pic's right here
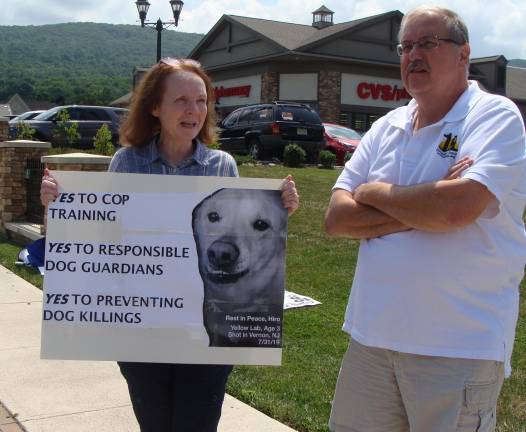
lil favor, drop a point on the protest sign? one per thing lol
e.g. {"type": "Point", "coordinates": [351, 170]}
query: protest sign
{"type": "Point", "coordinates": [172, 269]}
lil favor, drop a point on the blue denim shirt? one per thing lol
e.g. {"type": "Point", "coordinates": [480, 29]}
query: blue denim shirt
{"type": "Point", "coordinates": [147, 160]}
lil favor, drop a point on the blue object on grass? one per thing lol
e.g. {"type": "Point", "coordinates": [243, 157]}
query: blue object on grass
{"type": "Point", "coordinates": [34, 253]}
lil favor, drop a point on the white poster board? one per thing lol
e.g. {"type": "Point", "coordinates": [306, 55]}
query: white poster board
{"type": "Point", "coordinates": [172, 269]}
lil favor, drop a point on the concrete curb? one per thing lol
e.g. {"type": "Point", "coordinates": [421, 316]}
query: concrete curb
{"type": "Point", "coordinates": [8, 421]}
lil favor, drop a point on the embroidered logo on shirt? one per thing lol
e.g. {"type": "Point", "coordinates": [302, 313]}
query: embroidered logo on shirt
{"type": "Point", "coordinates": [448, 147]}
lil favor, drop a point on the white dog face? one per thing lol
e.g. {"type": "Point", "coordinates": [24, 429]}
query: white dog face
{"type": "Point", "coordinates": [240, 237]}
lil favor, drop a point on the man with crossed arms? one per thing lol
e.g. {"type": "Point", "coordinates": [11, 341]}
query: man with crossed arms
{"type": "Point", "coordinates": [436, 191]}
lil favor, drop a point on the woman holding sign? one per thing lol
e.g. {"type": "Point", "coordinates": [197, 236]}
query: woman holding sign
{"type": "Point", "coordinates": [171, 120]}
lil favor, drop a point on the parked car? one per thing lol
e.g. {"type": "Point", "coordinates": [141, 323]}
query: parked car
{"type": "Point", "coordinates": [340, 140]}
{"type": "Point", "coordinates": [89, 119]}
{"type": "Point", "coordinates": [28, 115]}
{"type": "Point", "coordinates": [263, 130]}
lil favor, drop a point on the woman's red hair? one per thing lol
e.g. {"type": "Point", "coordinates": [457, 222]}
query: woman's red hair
{"type": "Point", "coordinates": [139, 126]}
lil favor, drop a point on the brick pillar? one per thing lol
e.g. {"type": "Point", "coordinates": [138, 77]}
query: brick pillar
{"type": "Point", "coordinates": [269, 87]}
{"type": "Point", "coordinates": [13, 188]}
{"type": "Point", "coordinates": [4, 129]}
{"type": "Point", "coordinates": [76, 162]}
{"type": "Point", "coordinates": [329, 95]}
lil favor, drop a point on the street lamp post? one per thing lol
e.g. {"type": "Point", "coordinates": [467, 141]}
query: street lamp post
{"type": "Point", "coordinates": [142, 8]}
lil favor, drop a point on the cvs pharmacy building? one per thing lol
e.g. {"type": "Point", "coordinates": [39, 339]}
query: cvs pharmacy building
{"type": "Point", "coordinates": [349, 72]}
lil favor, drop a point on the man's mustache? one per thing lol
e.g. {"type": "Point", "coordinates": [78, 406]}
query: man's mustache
{"type": "Point", "coordinates": [417, 64]}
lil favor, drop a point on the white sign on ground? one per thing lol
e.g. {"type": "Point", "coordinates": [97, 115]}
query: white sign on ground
{"type": "Point", "coordinates": [293, 300]}
{"type": "Point", "coordinates": [156, 268]}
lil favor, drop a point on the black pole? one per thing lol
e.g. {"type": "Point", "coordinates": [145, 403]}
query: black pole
{"type": "Point", "coordinates": [159, 28]}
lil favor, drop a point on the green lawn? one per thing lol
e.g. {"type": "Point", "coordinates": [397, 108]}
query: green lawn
{"type": "Point", "coordinates": [299, 392]}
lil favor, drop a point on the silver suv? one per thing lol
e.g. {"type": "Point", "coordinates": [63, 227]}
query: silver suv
{"type": "Point", "coordinates": [89, 119]}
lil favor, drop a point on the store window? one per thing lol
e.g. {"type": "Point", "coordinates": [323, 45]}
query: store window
{"type": "Point", "coordinates": [359, 121]}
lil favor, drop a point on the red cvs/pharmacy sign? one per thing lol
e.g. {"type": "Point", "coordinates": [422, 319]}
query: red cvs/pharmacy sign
{"type": "Point", "coordinates": [240, 91]}
{"type": "Point", "coordinates": [386, 92]}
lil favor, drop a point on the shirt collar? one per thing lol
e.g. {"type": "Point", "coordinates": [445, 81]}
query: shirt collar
{"type": "Point", "coordinates": [151, 153]}
{"type": "Point", "coordinates": [403, 119]}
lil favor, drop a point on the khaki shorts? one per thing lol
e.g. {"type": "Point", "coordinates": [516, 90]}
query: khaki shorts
{"type": "Point", "coordinates": [379, 390]}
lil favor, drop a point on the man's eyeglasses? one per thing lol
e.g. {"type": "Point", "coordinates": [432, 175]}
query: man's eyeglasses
{"type": "Point", "coordinates": [426, 43]}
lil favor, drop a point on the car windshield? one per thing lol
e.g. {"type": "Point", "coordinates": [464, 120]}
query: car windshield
{"type": "Point", "coordinates": [297, 114]}
{"type": "Point", "coordinates": [341, 131]}
{"type": "Point", "coordinates": [26, 116]}
{"type": "Point", "coordinates": [46, 114]}
{"type": "Point", "coordinates": [120, 112]}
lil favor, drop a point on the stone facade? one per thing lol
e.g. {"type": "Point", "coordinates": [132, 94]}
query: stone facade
{"type": "Point", "coordinates": [21, 173]}
{"type": "Point", "coordinates": [329, 90]}
{"type": "Point", "coordinates": [14, 175]}
{"type": "Point", "coordinates": [269, 87]}
{"type": "Point", "coordinates": [4, 129]}
{"type": "Point", "coordinates": [77, 162]}
{"type": "Point", "coordinates": [64, 166]}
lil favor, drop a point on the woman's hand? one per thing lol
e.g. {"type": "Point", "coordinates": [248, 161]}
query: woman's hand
{"type": "Point", "coordinates": [48, 189]}
{"type": "Point", "coordinates": [289, 195]}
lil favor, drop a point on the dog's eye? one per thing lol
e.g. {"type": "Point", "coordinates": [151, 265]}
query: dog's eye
{"type": "Point", "coordinates": [260, 225]}
{"type": "Point", "coordinates": [213, 217]}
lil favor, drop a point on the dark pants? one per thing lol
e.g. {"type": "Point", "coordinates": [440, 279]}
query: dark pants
{"type": "Point", "coordinates": [176, 397]}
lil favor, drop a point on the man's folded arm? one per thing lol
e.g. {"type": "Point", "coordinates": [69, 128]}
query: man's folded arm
{"type": "Point", "coordinates": [346, 217]}
{"type": "Point", "coordinates": [440, 206]}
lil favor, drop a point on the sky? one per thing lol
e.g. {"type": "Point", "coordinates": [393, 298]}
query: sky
{"type": "Point", "coordinates": [496, 27]}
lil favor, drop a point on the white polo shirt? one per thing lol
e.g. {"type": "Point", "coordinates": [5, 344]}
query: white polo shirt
{"type": "Point", "coordinates": [444, 294]}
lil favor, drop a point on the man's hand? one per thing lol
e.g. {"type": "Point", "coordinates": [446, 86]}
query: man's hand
{"type": "Point", "coordinates": [370, 193]}
{"type": "Point", "coordinates": [456, 169]}
{"type": "Point", "coordinates": [442, 206]}
{"type": "Point", "coordinates": [346, 217]}
{"type": "Point", "coordinates": [378, 208]}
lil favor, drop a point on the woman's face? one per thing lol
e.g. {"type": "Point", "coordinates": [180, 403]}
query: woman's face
{"type": "Point", "coordinates": [183, 107]}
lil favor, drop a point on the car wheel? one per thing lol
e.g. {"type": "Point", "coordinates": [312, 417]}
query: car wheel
{"type": "Point", "coordinates": [254, 149]}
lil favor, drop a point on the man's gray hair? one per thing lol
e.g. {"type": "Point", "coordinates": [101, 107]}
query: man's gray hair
{"type": "Point", "coordinates": [457, 29]}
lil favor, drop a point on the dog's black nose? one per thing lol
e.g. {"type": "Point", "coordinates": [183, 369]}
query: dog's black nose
{"type": "Point", "coordinates": [223, 255]}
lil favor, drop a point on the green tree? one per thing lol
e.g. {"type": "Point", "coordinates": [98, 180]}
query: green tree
{"type": "Point", "coordinates": [64, 132]}
{"type": "Point", "coordinates": [24, 131]}
{"type": "Point", "coordinates": [102, 141]}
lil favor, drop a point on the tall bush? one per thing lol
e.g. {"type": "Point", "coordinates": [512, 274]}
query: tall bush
{"type": "Point", "coordinates": [294, 156]}
{"type": "Point", "coordinates": [102, 141]}
{"type": "Point", "coordinates": [24, 131]}
{"type": "Point", "coordinates": [64, 131]}
{"type": "Point", "coordinates": [327, 159]}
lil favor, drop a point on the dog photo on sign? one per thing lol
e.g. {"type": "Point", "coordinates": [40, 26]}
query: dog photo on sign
{"type": "Point", "coordinates": [240, 236]}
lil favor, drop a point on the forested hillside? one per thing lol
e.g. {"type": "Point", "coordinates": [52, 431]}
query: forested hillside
{"type": "Point", "coordinates": [84, 63]}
